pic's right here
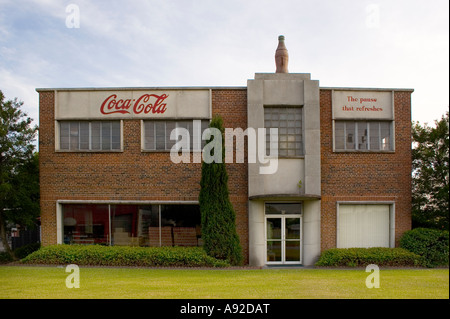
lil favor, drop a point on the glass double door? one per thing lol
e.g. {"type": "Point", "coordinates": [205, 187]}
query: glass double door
{"type": "Point", "coordinates": [283, 239]}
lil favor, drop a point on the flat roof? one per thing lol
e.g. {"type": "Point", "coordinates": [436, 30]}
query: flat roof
{"type": "Point", "coordinates": [141, 88]}
{"type": "Point", "coordinates": [208, 88]}
{"type": "Point", "coordinates": [363, 89]}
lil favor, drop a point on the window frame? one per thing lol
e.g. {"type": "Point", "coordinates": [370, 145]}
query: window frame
{"type": "Point", "coordinates": [368, 140]}
{"type": "Point", "coordinates": [177, 122]}
{"type": "Point", "coordinates": [89, 149]}
{"type": "Point", "coordinates": [392, 213]}
{"type": "Point", "coordinates": [299, 152]}
{"type": "Point", "coordinates": [112, 205]}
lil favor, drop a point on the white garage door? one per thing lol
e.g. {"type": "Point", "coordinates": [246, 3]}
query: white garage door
{"type": "Point", "coordinates": [363, 226]}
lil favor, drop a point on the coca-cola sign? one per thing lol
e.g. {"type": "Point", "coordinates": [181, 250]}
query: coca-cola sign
{"type": "Point", "coordinates": [103, 104]}
{"type": "Point", "coordinates": [145, 104]}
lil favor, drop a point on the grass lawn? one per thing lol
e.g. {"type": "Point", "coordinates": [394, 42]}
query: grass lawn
{"type": "Point", "coordinates": [19, 282]}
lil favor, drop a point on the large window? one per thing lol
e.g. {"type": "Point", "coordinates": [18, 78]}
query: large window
{"type": "Point", "coordinates": [157, 134]}
{"type": "Point", "coordinates": [89, 136]}
{"type": "Point", "coordinates": [132, 225]}
{"type": "Point", "coordinates": [364, 225]}
{"type": "Point", "coordinates": [288, 121]}
{"type": "Point", "coordinates": [362, 136]}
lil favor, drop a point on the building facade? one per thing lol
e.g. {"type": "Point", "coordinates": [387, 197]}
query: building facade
{"type": "Point", "coordinates": [340, 176]}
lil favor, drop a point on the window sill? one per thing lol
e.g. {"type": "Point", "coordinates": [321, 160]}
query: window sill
{"type": "Point", "coordinates": [89, 151]}
{"type": "Point", "coordinates": [365, 151]}
{"type": "Point", "coordinates": [285, 157]}
{"type": "Point", "coordinates": [165, 151]}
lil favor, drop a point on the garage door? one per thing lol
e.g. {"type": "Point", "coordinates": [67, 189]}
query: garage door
{"type": "Point", "coordinates": [363, 226]}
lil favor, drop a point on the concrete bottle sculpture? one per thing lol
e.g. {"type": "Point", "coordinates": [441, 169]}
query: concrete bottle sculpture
{"type": "Point", "coordinates": [281, 56]}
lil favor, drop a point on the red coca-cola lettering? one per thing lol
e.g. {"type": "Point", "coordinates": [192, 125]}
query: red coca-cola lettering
{"type": "Point", "coordinates": [157, 107]}
{"type": "Point", "coordinates": [144, 104]}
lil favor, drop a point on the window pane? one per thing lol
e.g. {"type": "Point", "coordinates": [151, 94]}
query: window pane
{"type": "Point", "coordinates": [292, 250]}
{"type": "Point", "coordinates": [292, 228]}
{"type": "Point", "coordinates": [289, 124]}
{"type": "Point", "coordinates": [273, 228]}
{"type": "Point", "coordinates": [362, 135]}
{"type": "Point", "coordinates": [205, 125]}
{"type": "Point", "coordinates": [170, 125]}
{"type": "Point", "coordinates": [374, 135]}
{"type": "Point", "coordinates": [84, 135]}
{"type": "Point", "coordinates": [74, 136]}
{"type": "Point", "coordinates": [115, 137]}
{"type": "Point", "coordinates": [160, 129]}
{"type": "Point", "coordinates": [95, 135]}
{"type": "Point", "coordinates": [350, 135]}
{"type": "Point", "coordinates": [149, 135]}
{"type": "Point", "coordinates": [124, 225]}
{"type": "Point", "coordinates": [274, 250]}
{"type": "Point", "coordinates": [106, 135]}
{"type": "Point", "coordinates": [188, 126]}
{"type": "Point", "coordinates": [64, 135]}
{"type": "Point", "coordinates": [291, 152]}
{"type": "Point", "coordinates": [85, 224]}
{"type": "Point", "coordinates": [182, 223]}
{"type": "Point", "coordinates": [283, 208]}
{"type": "Point", "coordinates": [339, 135]}
{"type": "Point", "coordinates": [385, 135]}
{"type": "Point", "coordinates": [148, 226]}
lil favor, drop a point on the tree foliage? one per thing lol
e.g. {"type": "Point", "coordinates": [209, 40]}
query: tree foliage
{"type": "Point", "coordinates": [430, 162]}
{"type": "Point", "coordinates": [18, 167]}
{"type": "Point", "coordinates": [23, 202]}
{"type": "Point", "coordinates": [220, 239]}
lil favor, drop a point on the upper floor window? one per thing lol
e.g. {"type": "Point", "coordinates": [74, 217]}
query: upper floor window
{"type": "Point", "coordinates": [288, 120]}
{"type": "Point", "coordinates": [363, 136]}
{"type": "Point", "coordinates": [89, 135]}
{"type": "Point", "coordinates": [157, 134]}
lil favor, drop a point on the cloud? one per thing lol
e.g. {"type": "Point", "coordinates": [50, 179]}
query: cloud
{"type": "Point", "coordinates": [14, 86]}
{"type": "Point", "coordinates": [212, 43]}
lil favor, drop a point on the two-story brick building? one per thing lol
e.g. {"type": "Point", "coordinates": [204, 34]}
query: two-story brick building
{"type": "Point", "coordinates": [342, 176]}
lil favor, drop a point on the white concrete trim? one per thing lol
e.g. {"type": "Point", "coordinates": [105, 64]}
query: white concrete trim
{"type": "Point", "coordinates": [59, 224]}
{"type": "Point", "coordinates": [124, 202]}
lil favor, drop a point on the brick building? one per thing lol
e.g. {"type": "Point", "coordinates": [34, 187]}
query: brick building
{"type": "Point", "coordinates": [340, 177]}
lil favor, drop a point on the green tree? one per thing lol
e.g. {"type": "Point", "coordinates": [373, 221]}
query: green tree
{"type": "Point", "coordinates": [24, 206]}
{"type": "Point", "coordinates": [430, 163]}
{"type": "Point", "coordinates": [220, 239]}
{"type": "Point", "coordinates": [17, 167]}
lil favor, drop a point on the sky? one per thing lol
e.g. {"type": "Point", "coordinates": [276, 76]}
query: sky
{"type": "Point", "coordinates": [172, 43]}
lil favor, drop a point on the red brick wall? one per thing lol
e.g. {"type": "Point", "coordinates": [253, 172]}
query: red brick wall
{"type": "Point", "coordinates": [366, 176]}
{"type": "Point", "coordinates": [132, 174]}
{"type": "Point", "coordinates": [232, 105]}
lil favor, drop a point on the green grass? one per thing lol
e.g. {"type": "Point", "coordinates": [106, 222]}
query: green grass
{"type": "Point", "coordinates": [20, 282]}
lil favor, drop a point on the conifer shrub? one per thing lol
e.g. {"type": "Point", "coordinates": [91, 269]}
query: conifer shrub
{"type": "Point", "coordinates": [218, 218]}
